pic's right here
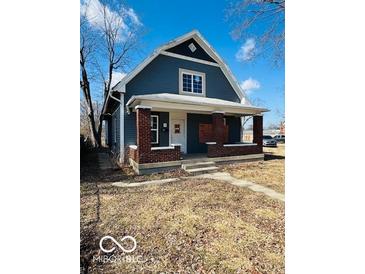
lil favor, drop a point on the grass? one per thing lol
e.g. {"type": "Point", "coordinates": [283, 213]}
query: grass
{"type": "Point", "coordinates": [190, 226]}
{"type": "Point", "coordinates": [270, 173]}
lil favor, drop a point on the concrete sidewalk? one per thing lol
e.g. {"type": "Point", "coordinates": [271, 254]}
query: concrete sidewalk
{"type": "Point", "coordinates": [220, 176]}
{"type": "Point", "coordinates": [224, 176]}
{"type": "Point", "coordinates": [152, 182]}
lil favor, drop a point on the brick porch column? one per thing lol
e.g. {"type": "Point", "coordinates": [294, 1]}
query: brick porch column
{"type": "Point", "coordinates": [257, 130]}
{"type": "Point", "coordinates": [218, 128]}
{"type": "Point", "coordinates": [143, 126]}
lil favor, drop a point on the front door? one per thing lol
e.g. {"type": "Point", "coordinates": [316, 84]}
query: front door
{"type": "Point", "coordinates": [178, 135]}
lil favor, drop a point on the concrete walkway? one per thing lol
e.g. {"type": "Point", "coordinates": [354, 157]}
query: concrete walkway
{"type": "Point", "coordinates": [221, 176]}
{"type": "Point", "coordinates": [224, 176]}
{"type": "Point", "coordinates": [104, 161]}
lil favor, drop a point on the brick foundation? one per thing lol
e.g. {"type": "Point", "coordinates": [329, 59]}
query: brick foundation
{"type": "Point", "coordinates": [164, 155]}
{"type": "Point", "coordinates": [222, 151]}
{"type": "Point", "coordinates": [155, 156]}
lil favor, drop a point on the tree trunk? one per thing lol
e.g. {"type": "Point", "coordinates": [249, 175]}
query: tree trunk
{"type": "Point", "coordinates": [85, 86]}
{"type": "Point", "coordinates": [100, 128]}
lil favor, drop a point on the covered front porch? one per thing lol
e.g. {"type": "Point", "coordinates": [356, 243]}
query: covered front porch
{"type": "Point", "coordinates": [172, 129]}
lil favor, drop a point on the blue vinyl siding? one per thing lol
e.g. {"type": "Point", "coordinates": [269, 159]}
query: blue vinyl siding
{"type": "Point", "coordinates": [130, 134]}
{"type": "Point", "coordinates": [162, 76]}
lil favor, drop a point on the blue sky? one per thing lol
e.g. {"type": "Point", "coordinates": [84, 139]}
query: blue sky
{"type": "Point", "coordinates": [165, 20]}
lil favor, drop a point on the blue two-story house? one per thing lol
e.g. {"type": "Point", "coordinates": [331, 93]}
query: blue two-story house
{"type": "Point", "coordinates": [180, 103]}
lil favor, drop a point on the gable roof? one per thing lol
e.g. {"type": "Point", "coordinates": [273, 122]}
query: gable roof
{"type": "Point", "coordinates": [120, 87]}
{"type": "Point", "coordinates": [185, 50]}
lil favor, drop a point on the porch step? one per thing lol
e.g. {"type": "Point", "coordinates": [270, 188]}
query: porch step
{"type": "Point", "coordinates": [197, 171]}
{"type": "Point", "coordinates": [195, 165]}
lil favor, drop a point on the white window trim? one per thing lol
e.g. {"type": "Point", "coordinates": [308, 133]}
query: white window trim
{"type": "Point", "coordinates": [191, 72]}
{"type": "Point", "coordinates": [155, 129]}
{"type": "Point", "coordinates": [183, 57]}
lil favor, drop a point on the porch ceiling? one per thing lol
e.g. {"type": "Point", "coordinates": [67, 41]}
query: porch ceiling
{"type": "Point", "coordinates": [168, 101]}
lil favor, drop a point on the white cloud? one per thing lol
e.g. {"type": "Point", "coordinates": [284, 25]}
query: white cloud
{"type": "Point", "coordinates": [132, 15]}
{"type": "Point", "coordinates": [116, 77]}
{"type": "Point", "coordinates": [93, 10]}
{"type": "Point", "coordinates": [249, 85]}
{"type": "Point", "coordinates": [247, 50]}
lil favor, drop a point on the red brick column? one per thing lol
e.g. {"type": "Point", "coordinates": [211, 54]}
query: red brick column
{"type": "Point", "coordinates": [257, 130]}
{"type": "Point", "coordinates": [143, 133]}
{"type": "Point", "coordinates": [218, 128]}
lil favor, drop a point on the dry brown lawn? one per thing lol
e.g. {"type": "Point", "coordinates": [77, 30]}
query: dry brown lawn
{"type": "Point", "coordinates": [279, 151]}
{"type": "Point", "coordinates": [190, 226]}
{"type": "Point", "coordinates": [270, 173]}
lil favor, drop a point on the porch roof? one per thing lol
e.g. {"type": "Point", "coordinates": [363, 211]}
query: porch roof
{"type": "Point", "coordinates": [169, 101]}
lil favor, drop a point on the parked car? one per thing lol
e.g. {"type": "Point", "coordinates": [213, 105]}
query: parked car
{"type": "Point", "coordinates": [280, 138]}
{"type": "Point", "coordinates": [268, 141]}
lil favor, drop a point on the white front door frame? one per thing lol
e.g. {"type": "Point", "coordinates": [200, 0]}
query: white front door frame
{"type": "Point", "coordinates": [178, 115]}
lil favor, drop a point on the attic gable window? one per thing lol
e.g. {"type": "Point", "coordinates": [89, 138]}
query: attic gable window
{"type": "Point", "coordinates": [192, 47]}
{"type": "Point", "coordinates": [192, 82]}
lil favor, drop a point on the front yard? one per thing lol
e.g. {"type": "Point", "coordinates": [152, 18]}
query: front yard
{"type": "Point", "coordinates": [270, 173]}
{"type": "Point", "coordinates": [190, 226]}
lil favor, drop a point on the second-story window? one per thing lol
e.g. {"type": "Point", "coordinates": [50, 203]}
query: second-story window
{"type": "Point", "coordinates": [187, 87]}
{"type": "Point", "coordinates": [192, 82]}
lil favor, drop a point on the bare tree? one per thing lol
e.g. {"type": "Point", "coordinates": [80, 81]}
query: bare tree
{"type": "Point", "coordinates": [262, 19]}
{"type": "Point", "coordinates": [84, 117]}
{"type": "Point", "coordinates": [86, 49]}
{"type": "Point", "coordinates": [280, 114]}
{"type": "Point", "coordinates": [107, 37]}
{"type": "Point", "coordinates": [244, 119]}
{"type": "Point", "coordinates": [273, 126]}
{"type": "Point", "coordinates": [117, 44]}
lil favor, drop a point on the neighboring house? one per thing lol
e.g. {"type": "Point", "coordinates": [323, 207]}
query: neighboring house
{"type": "Point", "coordinates": [181, 100]}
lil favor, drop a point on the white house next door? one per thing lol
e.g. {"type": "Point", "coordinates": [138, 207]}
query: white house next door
{"type": "Point", "coordinates": [178, 135]}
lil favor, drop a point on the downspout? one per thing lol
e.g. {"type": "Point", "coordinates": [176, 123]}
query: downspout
{"type": "Point", "coordinates": [121, 125]}
{"type": "Point", "coordinates": [115, 98]}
